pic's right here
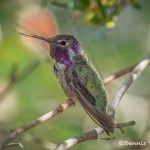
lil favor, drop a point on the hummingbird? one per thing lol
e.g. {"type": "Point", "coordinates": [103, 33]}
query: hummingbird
{"type": "Point", "coordinates": [78, 78]}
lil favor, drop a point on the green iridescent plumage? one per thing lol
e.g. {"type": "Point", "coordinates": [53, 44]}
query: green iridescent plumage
{"type": "Point", "coordinates": [86, 86]}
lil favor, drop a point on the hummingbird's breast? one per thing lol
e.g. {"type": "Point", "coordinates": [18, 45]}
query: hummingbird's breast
{"type": "Point", "coordinates": [60, 71]}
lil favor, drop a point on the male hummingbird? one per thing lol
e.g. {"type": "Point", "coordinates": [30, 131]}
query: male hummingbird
{"type": "Point", "coordinates": [78, 78]}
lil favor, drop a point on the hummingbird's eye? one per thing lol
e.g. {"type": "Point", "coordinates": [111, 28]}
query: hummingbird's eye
{"type": "Point", "coordinates": [63, 42]}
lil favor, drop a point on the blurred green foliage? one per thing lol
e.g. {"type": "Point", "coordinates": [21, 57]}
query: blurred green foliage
{"type": "Point", "coordinates": [108, 49]}
{"type": "Point", "coordinates": [96, 13]}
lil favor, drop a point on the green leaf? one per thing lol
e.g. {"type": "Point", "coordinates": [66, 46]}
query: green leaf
{"type": "Point", "coordinates": [135, 4]}
{"type": "Point", "coordinates": [92, 19]}
{"type": "Point", "coordinates": [81, 5]}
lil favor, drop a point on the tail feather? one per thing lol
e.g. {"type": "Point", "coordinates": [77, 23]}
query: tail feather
{"type": "Point", "coordinates": [100, 118]}
{"type": "Point", "coordinates": [88, 102]}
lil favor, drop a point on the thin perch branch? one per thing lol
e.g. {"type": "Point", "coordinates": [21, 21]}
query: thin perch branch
{"type": "Point", "coordinates": [118, 74]}
{"type": "Point", "coordinates": [91, 135]}
{"type": "Point", "coordinates": [36, 122]}
{"type": "Point", "coordinates": [136, 72]}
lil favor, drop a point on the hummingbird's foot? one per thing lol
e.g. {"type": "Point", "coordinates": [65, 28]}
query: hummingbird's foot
{"type": "Point", "coordinates": [121, 130]}
{"type": "Point", "coordinates": [60, 108]}
{"type": "Point", "coordinates": [107, 138]}
{"type": "Point", "coordinates": [71, 102]}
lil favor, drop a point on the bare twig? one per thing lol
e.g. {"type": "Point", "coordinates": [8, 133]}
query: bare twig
{"type": "Point", "coordinates": [132, 77]}
{"type": "Point", "coordinates": [15, 78]}
{"type": "Point", "coordinates": [118, 74]}
{"type": "Point", "coordinates": [36, 122]}
{"type": "Point", "coordinates": [91, 135]}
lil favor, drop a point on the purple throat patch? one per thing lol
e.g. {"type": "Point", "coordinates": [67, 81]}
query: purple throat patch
{"type": "Point", "coordinates": [65, 60]}
{"type": "Point", "coordinates": [75, 46]}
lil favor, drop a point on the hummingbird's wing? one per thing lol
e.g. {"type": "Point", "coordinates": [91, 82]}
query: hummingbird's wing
{"type": "Point", "coordinates": [90, 92]}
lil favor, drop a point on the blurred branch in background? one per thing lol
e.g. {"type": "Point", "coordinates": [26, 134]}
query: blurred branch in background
{"type": "Point", "coordinates": [93, 134]}
{"type": "Point", "coordinates": [15, 145]}
{"type": "Point", "coordinates": [16, 77]}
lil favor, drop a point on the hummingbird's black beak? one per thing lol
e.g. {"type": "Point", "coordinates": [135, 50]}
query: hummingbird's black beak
{"type": "Point", "coordinates": [37, 36]}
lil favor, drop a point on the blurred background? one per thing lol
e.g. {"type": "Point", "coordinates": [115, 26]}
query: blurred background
{"type": "Point", "coordinates": [115, 34]}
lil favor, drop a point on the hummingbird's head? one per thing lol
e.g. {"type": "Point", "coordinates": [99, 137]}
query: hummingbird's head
{"type": "Point", "coordinates": [63, 47]}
